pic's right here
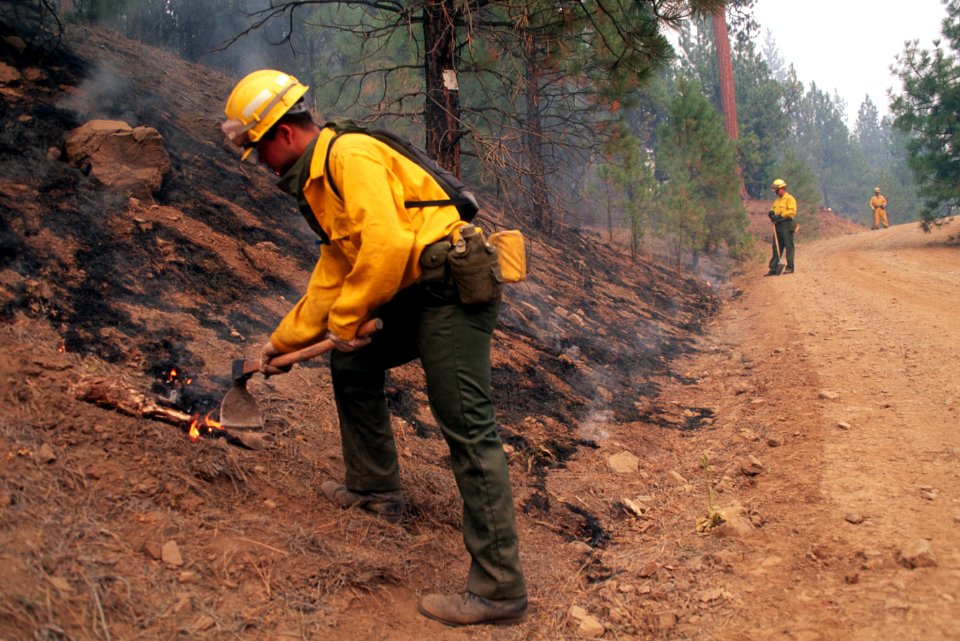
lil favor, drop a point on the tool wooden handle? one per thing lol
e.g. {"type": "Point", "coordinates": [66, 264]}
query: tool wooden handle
{"type": "Point", "coordinates": [322, 347]}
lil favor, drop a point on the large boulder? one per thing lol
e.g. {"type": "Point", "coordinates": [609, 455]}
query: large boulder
{"type": "Point", "coordinates": [128, 159]}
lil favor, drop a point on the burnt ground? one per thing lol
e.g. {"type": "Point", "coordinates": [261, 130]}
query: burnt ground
{"type": "Point", "coordinates": [119, 527]}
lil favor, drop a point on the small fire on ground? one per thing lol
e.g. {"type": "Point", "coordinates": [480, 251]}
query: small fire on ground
{"type": "Point", "coordinates": [174, 378]}
{"type": "Point", "coordinates": [200, 426]}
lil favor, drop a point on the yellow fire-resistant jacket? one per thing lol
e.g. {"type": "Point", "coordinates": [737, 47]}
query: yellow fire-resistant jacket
{"type": "Point", "coordinates": [375, 242]}
{"type": "Point", "coordinates": [785, 205]}
{"type": "Point", "coordinates": [877, 202]}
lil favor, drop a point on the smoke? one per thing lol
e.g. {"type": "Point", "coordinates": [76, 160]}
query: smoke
{"type": "Point", "coordinates": [593, 427]}
{"type": "Point", "coordinates": [199, 32]}
{"type": "Point", "coordinates": [104, 94]}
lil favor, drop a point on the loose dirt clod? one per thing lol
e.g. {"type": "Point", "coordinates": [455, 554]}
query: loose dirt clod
{"type": "Point", "coordinates": [917, 554]}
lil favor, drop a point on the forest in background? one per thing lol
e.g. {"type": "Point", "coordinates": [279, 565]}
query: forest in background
{"type": "Point", "coordinates": [583, 113]}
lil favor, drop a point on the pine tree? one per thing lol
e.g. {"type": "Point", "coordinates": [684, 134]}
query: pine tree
{"type": "Point", "coordinates": [823, 141]}
{"type": "Point", "coordinates": [701, 204]}
{"type": "Point", "coordinates": [927, 111]}
{"type": "Point", "coordinates": [628, 177]}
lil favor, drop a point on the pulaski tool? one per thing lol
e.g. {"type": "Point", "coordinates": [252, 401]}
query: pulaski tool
{"type": "Point", "coordinates": [776, 243]}
{"type": "Point", "coordinates": [239, 409]}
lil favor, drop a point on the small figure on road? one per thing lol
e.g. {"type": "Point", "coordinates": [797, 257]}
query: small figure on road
{"type": "Point", "coordinates": [878, 203]}
{"type": "Point", "coordinates": [783, 215]}
{"type": "Point", "coordinates": [372, 265]}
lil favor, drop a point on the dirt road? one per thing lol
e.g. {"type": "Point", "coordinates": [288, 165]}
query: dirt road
{"type": "Point", "coordinates": [847, 372]}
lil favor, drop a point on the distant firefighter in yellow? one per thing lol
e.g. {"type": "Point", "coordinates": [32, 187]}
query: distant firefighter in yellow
{"type": "Point", "coordinates": [783, 215]}
{"type": "Point", "coordinates": [879, 206]}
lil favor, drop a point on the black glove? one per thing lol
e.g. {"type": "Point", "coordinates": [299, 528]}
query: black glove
{"type": "Point", "coordinates": [771, 214]}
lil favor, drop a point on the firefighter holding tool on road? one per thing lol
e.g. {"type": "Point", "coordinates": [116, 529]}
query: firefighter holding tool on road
{"type": "Point", "coordinates": [783, 215]}
{"type": "Point", "coordinates": [878, 203]}
{"type": "Point", "coordinates": [379, 259]}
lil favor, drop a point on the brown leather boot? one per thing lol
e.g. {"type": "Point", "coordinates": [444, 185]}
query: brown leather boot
{"type": "Point", "coordinates": [467, 608]}
{"type": "Point", "coordinates": [389, 506]}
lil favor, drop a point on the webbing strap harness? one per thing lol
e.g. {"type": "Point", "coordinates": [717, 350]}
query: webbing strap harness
{"type": "Point", "coordinates": [459, 194]}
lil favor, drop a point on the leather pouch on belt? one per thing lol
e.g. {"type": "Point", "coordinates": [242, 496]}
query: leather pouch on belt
{"type": "Point", "coordinates": [512, 254]}
{"type": "Point", "coordinates": [433, 263]}
{"type": "Point", "coordinates": [475, 267]}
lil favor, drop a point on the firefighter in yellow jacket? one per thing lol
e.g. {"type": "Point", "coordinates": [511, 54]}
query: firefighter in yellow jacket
{"type": "Point", "coordinates": [878, 203]}
{"type": "Point", "coordinates": [370, 267]}
{"type": "Point", "coordinates": [783, 214]}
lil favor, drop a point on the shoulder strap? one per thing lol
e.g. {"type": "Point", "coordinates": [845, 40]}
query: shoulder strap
{"type": "Point", "coordinates": [326, 168]}
{"type": "Point", "coordinates": [460, 196]}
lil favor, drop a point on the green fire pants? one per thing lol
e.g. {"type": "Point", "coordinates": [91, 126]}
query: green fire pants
{"type": "Point", "coordinates": [452, 341]}
{"type": "Point", "coordinates": [784, 242]}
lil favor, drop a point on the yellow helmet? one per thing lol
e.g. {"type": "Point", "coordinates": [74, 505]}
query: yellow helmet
{"type": "Point", "coordinates": [257, 103]}
{"type": "Point", "coordinates": [778, 184]}
{"type": "Point", "coordinates": [876, 190]}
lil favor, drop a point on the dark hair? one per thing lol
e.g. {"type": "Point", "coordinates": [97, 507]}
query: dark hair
{"type": "Point", "coordinates": [300, 118]}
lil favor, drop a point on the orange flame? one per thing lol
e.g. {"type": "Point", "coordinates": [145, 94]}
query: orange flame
{"type": "Point", "coordinates": [62, 347]}
{"type": "Point", "coordinates": [173, 377]}
{"type": "Point", "coordinates": [198, 425]}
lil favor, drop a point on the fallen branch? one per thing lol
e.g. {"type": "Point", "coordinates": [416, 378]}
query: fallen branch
{"type": "Point", "coordinates": [110, 394]}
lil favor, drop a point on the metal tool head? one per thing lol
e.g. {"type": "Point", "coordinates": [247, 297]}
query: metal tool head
{"type": "Point", "coordinates": [239, 409]}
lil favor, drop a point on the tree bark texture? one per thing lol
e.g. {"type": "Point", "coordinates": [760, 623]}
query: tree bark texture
{"type": "Point", "coordinates": [728, 98]}
{"type": "Point", "coordinates": [442, 106]}
{"type": "Point", "coordinates": [543, 218]}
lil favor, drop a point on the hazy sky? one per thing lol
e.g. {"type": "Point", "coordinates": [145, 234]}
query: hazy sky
{"type": "Point", "coordinates": [848, 46]}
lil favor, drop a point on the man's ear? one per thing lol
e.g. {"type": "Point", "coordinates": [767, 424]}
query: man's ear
{"type": "Point", "coordinates": [285, 133]}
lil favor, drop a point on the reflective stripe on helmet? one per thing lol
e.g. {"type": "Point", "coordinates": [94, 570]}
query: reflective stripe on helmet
{"type": "Point", "coordinates": [250, 111]}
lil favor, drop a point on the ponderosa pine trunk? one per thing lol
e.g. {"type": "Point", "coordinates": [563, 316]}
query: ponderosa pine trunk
{"type": "Point", "coordinates": [728, 96]}
{"type": "Point", "coordinates": [543, 218]}
{"type": "Point", "coordinates": [442, 105]}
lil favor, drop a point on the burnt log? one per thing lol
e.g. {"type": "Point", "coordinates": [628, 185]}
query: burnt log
{"type": "Point", "coordinates": [111, 394]}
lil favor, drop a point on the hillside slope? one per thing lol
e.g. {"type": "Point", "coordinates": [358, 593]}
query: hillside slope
{"type": "Point", "coordinates": [117, 526]}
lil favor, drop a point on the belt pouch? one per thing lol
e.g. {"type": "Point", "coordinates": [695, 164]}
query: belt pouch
{"type": "Point", "coordinates": [433, 263]}
{"type": "Point", "coordinates": [475, 267]}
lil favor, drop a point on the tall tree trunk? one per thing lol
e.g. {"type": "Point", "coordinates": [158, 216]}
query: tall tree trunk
{"type": "Point", "coordinates": [609, 216]}
{"type": "Point", "coordinates": [543, 217]}
{"type": "Point", "coordinates": [634, 228]}
{"type": "Point", "coordinates": [728, 98]}
{"type": "Point", "coordinates": [442, 107]}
